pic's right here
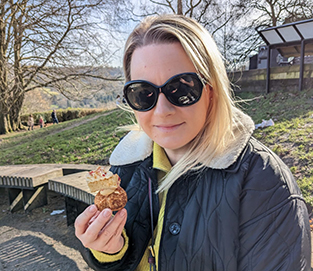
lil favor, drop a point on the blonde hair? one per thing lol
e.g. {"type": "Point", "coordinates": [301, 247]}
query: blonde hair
{"type": "Point", "coordinates": [207, 60]}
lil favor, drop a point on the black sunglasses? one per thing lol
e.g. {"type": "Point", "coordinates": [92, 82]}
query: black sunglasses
{"type": "Point", "coordinates": [181, 90]}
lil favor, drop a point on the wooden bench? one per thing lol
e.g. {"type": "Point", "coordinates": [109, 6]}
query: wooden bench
{"type": "Point", "coordinates": [76, 192]}
{"type": "Point", "coordinates": [27, 186]}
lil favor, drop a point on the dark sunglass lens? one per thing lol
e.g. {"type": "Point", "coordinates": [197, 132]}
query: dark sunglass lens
{"type": "Point", "coordinates": [140, 96]}
{"type": "Point", "coordinates": [184, 90]}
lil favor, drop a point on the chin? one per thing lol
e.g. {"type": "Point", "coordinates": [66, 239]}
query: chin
{"type": "Point", "coordinates": [171, 146]}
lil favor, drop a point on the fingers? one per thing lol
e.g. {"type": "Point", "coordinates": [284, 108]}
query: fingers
{"type": "Point", "coordinates": [122, 216]}
{"type": "Point", "coordinates": [102, 219]}
{"type": "Point", "coordinates": [111, 234]}
{"type": "Point", "coordinates": [81, 222]}
{"type": "Point", "coordinates": [115, 226]}
{"type": "Point", "coordinates": [100, 230]}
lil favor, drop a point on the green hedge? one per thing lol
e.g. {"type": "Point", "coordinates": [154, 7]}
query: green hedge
{"type": "Point", "coordinates": [62, 114]}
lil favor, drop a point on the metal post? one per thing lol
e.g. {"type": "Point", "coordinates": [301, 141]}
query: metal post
{"type": "Point", "coordinates": [301, 65]}
{"type": "Point", "coordinates": [268, 69]}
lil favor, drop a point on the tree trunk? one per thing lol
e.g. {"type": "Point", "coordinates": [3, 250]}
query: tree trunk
{"type": "Point", "coordinates": [4, 124]}
{"type": "Point", "coordinates": [14, 113]}
{"type": "Point", "coordinates": [11, 122]}
{"type": "Point", "coordinates": [10, 116]}
{"type": "Point", "coordinates": [179, 7]}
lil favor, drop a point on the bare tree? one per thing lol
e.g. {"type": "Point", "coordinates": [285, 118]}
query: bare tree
{"type": "Point", "coordinates": [219, 17]}
{"type": "Point", "coordinates": [51, 43]}
{"type": "Point", "coordinates": [261, 14]}
{"type": "Point", "coordinates": [232, 22]}
{"type": "Point", "coordinates": [204, 11]}
{"type": "Point", "coordinates": [275, 12]}
{"type": "Point", "coordinates": [224, 19]}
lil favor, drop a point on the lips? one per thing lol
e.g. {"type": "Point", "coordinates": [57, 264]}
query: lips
{"type": "Point", "coordinates": [168, 127]}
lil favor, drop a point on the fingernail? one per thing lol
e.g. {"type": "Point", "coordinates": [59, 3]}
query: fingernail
{"type": "Point", "coordinates": [92, 209]}
{"type": "Point", "coordinates": [122, 213]}
{"type": "Point", "coordinates": [106, 212]}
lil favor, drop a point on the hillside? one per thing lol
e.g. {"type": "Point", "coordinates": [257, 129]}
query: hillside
{"type": "Point", "coordinates": [87, 140]}
{"type": "Point", "coordinates": [92, 139]}
{"type": "Point", "coordinates": [46, 99]}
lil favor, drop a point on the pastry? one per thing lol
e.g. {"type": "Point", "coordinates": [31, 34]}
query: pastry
{"type": "Point", "coordinates": [109, 192]}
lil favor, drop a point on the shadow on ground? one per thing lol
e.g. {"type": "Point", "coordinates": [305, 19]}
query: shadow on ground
{"type": "Point", "coordinates": [32, 253]}
{"type": "Point", "coordinates": [38, 240]}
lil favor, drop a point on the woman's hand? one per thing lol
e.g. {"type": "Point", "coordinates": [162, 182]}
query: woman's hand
{"type": "Point", "coordinates": [100, 230]}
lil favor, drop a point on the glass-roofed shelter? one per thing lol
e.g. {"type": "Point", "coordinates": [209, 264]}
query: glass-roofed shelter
{"type": "Point", "coordinates": [291, 40]}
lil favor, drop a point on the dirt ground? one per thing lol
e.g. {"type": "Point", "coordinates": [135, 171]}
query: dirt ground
{"type": "Point", "coordinates": [38, 240]}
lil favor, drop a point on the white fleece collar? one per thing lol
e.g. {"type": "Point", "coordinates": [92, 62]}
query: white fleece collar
{"type": "Point", "coordinates": [137, 146]}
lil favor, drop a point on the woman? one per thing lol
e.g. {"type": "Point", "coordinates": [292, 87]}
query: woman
{"type": "Point", "coordinates": [54, 117]}
{"type": "Point", "coordinates": [203, 194]}
{"type": "Point", "coordinates": [30, 122]}
{"type": "Point", "coordinates": [41, 122]}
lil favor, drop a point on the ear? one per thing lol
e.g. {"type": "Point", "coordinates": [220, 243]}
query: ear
{"type": "Point", "coordinates": [209, 91]}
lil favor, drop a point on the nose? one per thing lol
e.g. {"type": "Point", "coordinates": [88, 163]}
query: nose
{"type": "Point", "coordinates": [163, 106]}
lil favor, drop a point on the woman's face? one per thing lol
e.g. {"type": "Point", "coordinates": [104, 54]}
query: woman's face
{"type": "Point", "coordinates": [170, 126]}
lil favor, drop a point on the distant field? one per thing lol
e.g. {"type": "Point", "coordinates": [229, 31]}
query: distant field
{"type": "Point", "coordinates": [92, 139]}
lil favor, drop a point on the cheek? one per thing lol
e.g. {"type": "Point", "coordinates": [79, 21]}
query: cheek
{"type": "Point", "coordinates": [202, 111]}
{"type": "Point", "coordinates": [142, 118]}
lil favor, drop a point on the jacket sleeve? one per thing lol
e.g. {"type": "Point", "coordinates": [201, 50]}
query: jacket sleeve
{"type": "Point", "coordinates": [274, 224]}
{"type": "Point", "coordinates": [96, 265]}
{"type": "Point", "coordinates": [105, 258]}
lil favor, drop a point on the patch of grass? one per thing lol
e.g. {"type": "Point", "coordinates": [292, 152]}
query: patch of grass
{"type": "Point", "coordinates": [305, 185]}
{"type": "Point", "coordinates": [70, 142]}
{"type": "Point", "coordinates": [278, 106]}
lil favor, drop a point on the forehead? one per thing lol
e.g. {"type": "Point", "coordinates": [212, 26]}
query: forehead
{"type": "Point", "coordinates": [158, 62]}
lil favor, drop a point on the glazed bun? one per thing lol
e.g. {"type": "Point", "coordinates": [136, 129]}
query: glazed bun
{"type": "Point", "coordinates": [115, 201]}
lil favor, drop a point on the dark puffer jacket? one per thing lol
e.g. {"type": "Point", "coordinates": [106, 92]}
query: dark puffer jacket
{"type": "Point", "coordinates": [249, 216]}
